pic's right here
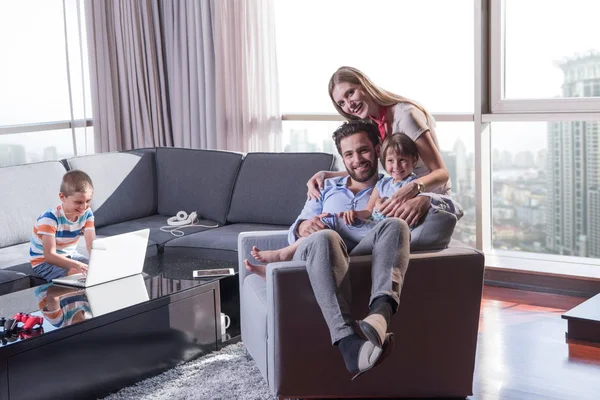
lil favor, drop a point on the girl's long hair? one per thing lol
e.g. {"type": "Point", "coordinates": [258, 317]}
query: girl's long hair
{"type": "Point", "coordinates": [381, 96]}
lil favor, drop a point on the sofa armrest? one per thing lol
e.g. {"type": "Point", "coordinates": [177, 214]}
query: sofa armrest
{"type": "Point", "coordinates": [288, 291]}
{"type": "Point", "coordinates": [434, 318]}
{"type": "Point", "coordinates": [264, 240]}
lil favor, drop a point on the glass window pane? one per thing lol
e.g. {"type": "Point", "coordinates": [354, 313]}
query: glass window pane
{"type": "Point", "coordinates": [559, 57]}
{"type": "Point", "coordinates": [456, 146]}
{"type": "Point", "coordinates": [412, 48]}
{"type": "Point", "coordinates": [546, 187]}
{"type": "Point", "coordinates": [33, 74]}
{"type": "Point", "coordinates": [78, 59]}
{"type": "Point", "coordinates": [458, 151]}
{"type": "Point", "coordinates": [23, 148]}
{"type": "Point", "coordinates": [308, 136]}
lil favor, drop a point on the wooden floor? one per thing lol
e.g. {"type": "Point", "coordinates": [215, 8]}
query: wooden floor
{"type": "Point", "coordinates": [522, 352]}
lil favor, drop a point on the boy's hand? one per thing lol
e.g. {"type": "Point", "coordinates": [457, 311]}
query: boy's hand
{"type": "Point", "coordinates": [82, 268]}
{"type": "Point", "coordinates": [349, 216]}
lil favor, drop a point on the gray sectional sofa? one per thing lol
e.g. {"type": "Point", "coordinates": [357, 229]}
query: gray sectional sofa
{"type": "Point", "coordinates": [142, 188]}
{"type": "Point", "coordinates": [260, 195]}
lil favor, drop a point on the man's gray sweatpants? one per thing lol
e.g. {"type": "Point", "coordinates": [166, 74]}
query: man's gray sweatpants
{"type": "Point", "coordinates": [327, 263]}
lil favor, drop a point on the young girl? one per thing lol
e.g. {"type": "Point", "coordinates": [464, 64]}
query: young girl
{"type": "Point", "coordinates": [399, 154]}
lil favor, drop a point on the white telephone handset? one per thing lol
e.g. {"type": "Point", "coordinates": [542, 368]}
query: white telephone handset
{"type": "Point", "coordinates": [183, 220]}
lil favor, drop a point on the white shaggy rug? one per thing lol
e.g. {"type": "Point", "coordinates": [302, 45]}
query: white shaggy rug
{"type": "Point", "coordinates": [226, 374]}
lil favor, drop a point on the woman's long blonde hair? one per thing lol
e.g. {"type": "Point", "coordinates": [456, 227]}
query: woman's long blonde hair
{"type": "Point", "coordinates": [381, 96]}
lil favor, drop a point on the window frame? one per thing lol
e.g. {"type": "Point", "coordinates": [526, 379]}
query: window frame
{"type": "Point", "coordinates": [500, 105]}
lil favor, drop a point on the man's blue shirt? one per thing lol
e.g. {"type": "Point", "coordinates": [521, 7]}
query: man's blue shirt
{"type": "Point", "coordinates": [335, 198]}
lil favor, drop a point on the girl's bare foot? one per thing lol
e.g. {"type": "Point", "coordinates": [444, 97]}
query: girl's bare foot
{"type": "Point", "coordinates": [260, 270]}
{"type": "Point", "coordinates": [267, 256]}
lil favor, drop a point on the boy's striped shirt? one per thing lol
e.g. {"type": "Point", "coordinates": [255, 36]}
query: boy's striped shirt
{"type": "Point", "coordinates": [69, 305]}
{"type": "Point", "coordinates": [67, 233]}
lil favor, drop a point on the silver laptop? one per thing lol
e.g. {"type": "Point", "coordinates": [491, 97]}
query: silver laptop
{"type": "Point", "coordinates": [117, 295]}
{"type": "Point", "coordinates": [111, 258]}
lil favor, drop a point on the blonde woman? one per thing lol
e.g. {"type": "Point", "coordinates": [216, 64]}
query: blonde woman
{"type": "Point", "coordinates": [355, 96]}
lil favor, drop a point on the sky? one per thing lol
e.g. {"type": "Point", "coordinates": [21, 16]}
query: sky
{"type": "Point", "coordinates": [419, 49]}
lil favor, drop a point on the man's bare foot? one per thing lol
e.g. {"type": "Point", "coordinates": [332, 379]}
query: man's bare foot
{"type": "Point", "coordinates": [267, 256]}
{"type": "Point", "coordinates": [260, 270]}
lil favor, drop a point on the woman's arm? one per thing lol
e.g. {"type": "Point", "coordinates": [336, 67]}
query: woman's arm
{"type": "Point", "coordinates": [315, 184]}
{"type": "Point", "coordinates": [438, 174]}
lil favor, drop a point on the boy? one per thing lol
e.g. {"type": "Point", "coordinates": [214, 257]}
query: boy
{"type": "Point", "coordinates": [56, 232]}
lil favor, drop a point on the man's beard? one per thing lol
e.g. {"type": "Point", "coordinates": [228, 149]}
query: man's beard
{"type": "Point", "coordinates": [365, 176]}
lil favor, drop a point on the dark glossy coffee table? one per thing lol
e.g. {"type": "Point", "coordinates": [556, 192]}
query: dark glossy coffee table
{"type": "Point", "coordinates": [96, 341]}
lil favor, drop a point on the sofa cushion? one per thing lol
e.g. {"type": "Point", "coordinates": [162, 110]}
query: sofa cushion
{"type": "Point", "coordinates": [435, 232]}
{"type": "Point", "coordinates": [224, 238]}
{"type": "Point", "coordinates": [271, 187]}
{"type": "Point", "coordinates": [127, 191]}
{"type": "Point", "coordinates": [14, 255]}
{"type": "Point", "coordinates": [28, 191]}
{"type": "Point", "coordinates": [34, 278]}
{"type": "Point", "coordinates": [219, 244]}
{"type": "Point", "coordinates": [154, 222]}
{"type": "Point", "coordinates": [196, 180]}
{"type": "Point", "coordinates": [12, 281]}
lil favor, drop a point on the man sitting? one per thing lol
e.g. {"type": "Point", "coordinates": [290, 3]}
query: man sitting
{"type": "Point", "coordinates": [327, 254]}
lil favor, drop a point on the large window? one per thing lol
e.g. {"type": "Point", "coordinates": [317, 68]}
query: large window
{"type": "Point", "coordinates": [44, 81]}
{"type": "Point", "coordinates": [538, 62]}
{"type": "Point", "coordinates": [545, 99]}
{"type": "Point", "coordinates": [419, 49]}
{"type": "Point", "coordinates": [546, 55]}
{"type": "Point", "coordinates": [28, 147]}
{"type": "Point", "coordinates": [411, 48]}
{"type": "Point", "coordinates": [546, 187]}
{"type": "Point", "coordinates": [532, 174]}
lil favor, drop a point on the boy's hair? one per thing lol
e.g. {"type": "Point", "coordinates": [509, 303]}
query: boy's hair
{"type": "Point", "coordinates": [400, 143]}
{"type": "Point", "coordinates": [355, 126]}
{"type": "Point", "coordinates": [75, 181]}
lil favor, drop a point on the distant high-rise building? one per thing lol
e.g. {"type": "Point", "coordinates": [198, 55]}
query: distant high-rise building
{"type": "Point", "coordinates": [524, 159]}
{"type": "Point", "coordinates": [460, 182]}
{"type": "Point", "coordinates": [573, 167]}
{"type": "Point", "coordinates": [299, 142]}
{"type": "Point", "coordinates": [541, 159]}
{"type": "Point", "coordinates": [495, 159]}
{"type": "Point", "coordinates": [12, 154]}
{"type": "Point", "coordinates": [50, 153]}
{"type": "Point", "coordinates": [450, 160]}
{"type": "Point", "coordinates": [329, 147]}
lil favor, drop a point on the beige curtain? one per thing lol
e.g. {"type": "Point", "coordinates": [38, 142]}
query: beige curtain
{"type": "Point", "coordinates": [128, 84]}
{"type": "Point", "coordinates": [190, 58]}
{"type": "Point", "coordinates": [185, 73]}
{"type": "Point", "coordinates": [247, 95]}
